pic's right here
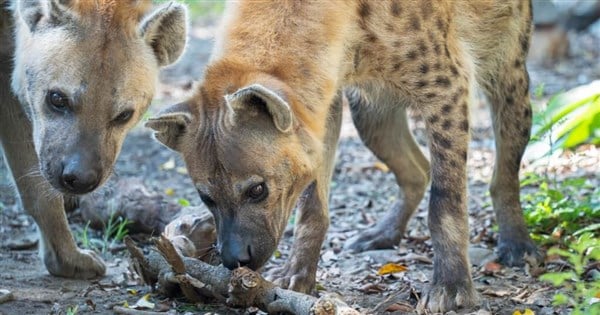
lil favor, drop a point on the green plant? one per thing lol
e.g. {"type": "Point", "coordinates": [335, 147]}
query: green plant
{"type": "Point", "coordinates": [582, 294]}
{"type": "Point", "coordinates": [564, 214]}
{"type": "Point", "coordinates": [72, 310]}
{"type": "Point", "coordinates": [560, 209]}
{"type": "Point", "coordinates": [571, 118]}
{"type": "Point", "coordinates": [84, 236]}
{"type": "Point", "coordinates": [114, 230]}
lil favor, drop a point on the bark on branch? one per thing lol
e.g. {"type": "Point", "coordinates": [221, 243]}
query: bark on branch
{"type": "Point", "coordinates": [241, 287]}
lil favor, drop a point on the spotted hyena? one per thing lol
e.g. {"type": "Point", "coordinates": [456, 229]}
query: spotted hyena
{"type": "Point", "coordinates": [83, 72]}
{"type": "Point", "coordinates": [260, 133]}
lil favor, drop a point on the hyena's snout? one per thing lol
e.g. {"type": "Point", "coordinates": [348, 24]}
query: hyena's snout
{"type": "Point", "coordinates": [236, 252]}
{"type": "Point", "coordinates": [81, 173]}
{"type": "Point", "coordinates": [240, 246]}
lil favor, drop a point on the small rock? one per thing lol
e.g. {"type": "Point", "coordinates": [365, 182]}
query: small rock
{"type": "Point", "coordinates": [479, 256]}
{"type": "Point", "coordinates": [22, 242]}
{"type": "Point", "coordinates": [382, 256]}
{"type": "Point", "coordinates": [5, 296]}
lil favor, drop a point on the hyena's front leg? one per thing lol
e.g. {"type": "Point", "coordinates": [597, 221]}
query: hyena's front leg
{"type": "Point", "coordinates": [447, 122]}
{"type": "Point", "coordinates": [57, 247]}
{"type": "Point", "coordinates": [312, 218]}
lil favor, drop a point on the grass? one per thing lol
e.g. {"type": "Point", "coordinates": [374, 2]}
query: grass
{"type": "Point", "coordinates": [114, 231]}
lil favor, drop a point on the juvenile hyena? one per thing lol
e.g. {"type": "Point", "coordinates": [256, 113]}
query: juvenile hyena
{"type": "Point", "coordinates": [260, 133]}
{"type": "Point", "coordinates": [84, 72]}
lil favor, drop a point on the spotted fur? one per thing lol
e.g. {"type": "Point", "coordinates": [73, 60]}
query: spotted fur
{"type": "Point", "coordinates": [386, 57]}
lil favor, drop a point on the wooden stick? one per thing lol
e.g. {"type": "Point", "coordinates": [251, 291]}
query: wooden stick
{"type": "Point", "coordinates": [241, 287]}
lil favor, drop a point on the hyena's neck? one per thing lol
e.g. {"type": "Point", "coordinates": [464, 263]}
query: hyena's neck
{"type": "Point", "coordinates": [302, 47]}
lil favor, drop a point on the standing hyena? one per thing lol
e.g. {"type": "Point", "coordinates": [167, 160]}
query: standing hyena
{"type": "Point", "coordinates": [84, 73]}
{"type": "Point", "coordinates": [262, 128]}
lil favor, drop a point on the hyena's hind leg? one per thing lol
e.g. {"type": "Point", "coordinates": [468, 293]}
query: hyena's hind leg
{"type": "Point", "coordinates": [511, 117]}
{"type": "Point", "coordinates": [383, 127]}
{"type": "Point", "coordinates": [505, 81]}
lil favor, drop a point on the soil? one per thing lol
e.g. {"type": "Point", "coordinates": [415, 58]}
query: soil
{"type": "Point", "coordinates": [362, 190]}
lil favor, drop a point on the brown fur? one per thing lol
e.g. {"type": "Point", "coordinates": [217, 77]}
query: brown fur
{"type": "Point", "coordinates": [276, 59]}
{"type": "Point", "coordinates": [121, 15]}
{"type": "Point", "coordinates": [101, 57]}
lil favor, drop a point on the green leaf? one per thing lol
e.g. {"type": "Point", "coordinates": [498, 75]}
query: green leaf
{"type": "Point", "coordinates": [560, 252]}
{"type": "Point", "coordinates": [560, 299]}
{"type": "Point", "coordinates": [562, 104]}
{"type": "Point", "coordinates": [183, 202]}
{"type": "Point", "coordinates": [558, 278]}
{"type": "Point", "coordinates": [589, 228]}
{"type": "Point", "coordinates": [571, 118]}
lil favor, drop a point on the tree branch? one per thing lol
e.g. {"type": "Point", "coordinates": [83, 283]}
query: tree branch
{"type": "Point", "coordinates": [241, 287]}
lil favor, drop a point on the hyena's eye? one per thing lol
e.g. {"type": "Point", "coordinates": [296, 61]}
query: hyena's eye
{"type": "Point", "coordinates": [207, 200]}
{"type": "Point", "coordinates": [258, 193]}
{"type": "Point", "coordinates": [123, 117]}
{"type": "Point", "coordinates": [57, 100]}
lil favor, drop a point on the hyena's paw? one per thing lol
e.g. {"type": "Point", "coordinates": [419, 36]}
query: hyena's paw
{"type": "Point", "coordinates": [443, 298]}
{"type": "Point", "coordinates": [377, 237]}
{"type": "Point", "coordinates": [79, 264]}
{"type": "Point", "coordinates": [299, 279]}
{"type": "Point", "coordinates": [512, 252]}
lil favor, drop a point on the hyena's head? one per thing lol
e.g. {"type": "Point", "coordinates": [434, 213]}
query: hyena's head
{"type": "Point", "coordinates": [87, 69]}
{"type": "Point", "coordinates": [248, 157]}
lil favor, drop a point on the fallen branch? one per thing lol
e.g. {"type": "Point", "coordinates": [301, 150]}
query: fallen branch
{"type": "Point", "coordinates": [131, 311]}
{"type": "Point", "coordinates": [241, 287]}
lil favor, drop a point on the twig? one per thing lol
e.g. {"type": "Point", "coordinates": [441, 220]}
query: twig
{"type": "Point", "coordinates": [132, 311]}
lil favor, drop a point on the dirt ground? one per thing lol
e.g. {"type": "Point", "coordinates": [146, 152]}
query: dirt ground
{"type": "Point", "coordinates": [362, 190]}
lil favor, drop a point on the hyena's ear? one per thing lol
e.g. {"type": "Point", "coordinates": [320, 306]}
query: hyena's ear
{"type": "Point", "coordinates": [170, 125]}
{"type": "Point", "coordinates": [259, 95]}
{"type": "Point", "coordinates": [32, 11]}
{"type": "Point", "coordinates": [165, 30]}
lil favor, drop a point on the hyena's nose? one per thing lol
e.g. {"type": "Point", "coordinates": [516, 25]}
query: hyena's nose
{"type": "Point", "coordinates": [78, 178]}
{"type": "Point", "coordinates": [235, 254]}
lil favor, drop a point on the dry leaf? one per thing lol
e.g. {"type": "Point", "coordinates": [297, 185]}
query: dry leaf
{"type": "Point", "coordinates": [169, 191]}
{"type": "Point", "coordinates": [497, 292]}
{"type": "Point", "coordinates": [399, 306]}
{"type": "Point", "coordinates": [491, 267]}
{"type": "Point", "coordinates": [132, 291]}
{"type": "Point", "coordinates": [381, 166]}
{"type": "Point", "coordinates": [168, 165]}
{"type": "Point", "coordinates": [143, 303]}
{"type": "Point", "coordinates": [525, 312]}
{"type": "Point", "coordinates": [390, 268]}
{"type": "Point", "coordinates": [373, 288]}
